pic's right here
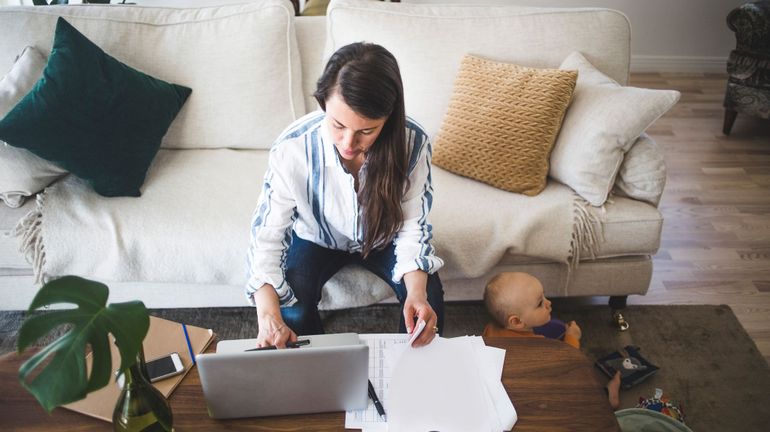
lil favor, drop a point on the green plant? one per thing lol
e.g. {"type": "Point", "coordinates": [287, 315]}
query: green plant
{"type": "Point", "coordinates": [65, 379]}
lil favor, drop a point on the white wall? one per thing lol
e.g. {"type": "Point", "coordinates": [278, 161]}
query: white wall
{"type": "Point", "coordinates": [666, 35]}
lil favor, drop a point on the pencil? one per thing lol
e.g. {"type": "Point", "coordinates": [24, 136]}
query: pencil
{"type": "Point", "coordinates": [189, 345]}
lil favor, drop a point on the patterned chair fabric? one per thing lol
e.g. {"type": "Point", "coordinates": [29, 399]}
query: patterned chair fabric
{"type": "Point", "coordinates": [748, 67]}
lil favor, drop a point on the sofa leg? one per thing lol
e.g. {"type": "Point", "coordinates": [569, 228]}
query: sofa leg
{"type": "Point", "coordinates": [729, 120]}
{"type": "Point", "coordinates": [616, 304]}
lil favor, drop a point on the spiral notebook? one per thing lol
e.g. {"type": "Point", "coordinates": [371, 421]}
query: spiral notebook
{"type": "Point", "coordinates": [162, 338]}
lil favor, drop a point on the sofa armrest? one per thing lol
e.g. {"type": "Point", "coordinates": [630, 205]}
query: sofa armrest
{"type": "Point", "coordinates": [642, 175]}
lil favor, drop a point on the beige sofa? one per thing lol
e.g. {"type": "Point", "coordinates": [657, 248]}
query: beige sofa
{"type": "Point", "coordinates": [252, 68]}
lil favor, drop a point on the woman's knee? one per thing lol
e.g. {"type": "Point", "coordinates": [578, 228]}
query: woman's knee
{"type": "Point", "coordinates": [302, 318]}
{"type": "Point", "coordinates": [436, 298]}
{"type": "Point", "coordinates": [435, 288]}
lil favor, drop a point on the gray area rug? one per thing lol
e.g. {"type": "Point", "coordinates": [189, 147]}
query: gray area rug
{"type": "Point", "coordinates": [706, 359]}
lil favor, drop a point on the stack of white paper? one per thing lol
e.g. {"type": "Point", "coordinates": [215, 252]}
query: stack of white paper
{"type": "Point", "coordinates": [449, 385]}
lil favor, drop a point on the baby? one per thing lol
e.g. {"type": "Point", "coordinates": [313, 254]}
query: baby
{"type": "Point", "coordinates": [518, 307]}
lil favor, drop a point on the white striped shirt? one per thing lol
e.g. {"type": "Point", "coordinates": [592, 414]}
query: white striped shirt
{"type": "Point", "coordinates": [307, 189]}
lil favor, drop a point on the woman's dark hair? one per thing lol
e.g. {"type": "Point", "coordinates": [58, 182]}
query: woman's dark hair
{"type": "Point", "coordinates": [367, 78]}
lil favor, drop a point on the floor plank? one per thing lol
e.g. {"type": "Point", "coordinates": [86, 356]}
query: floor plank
{"type": "Point", "coordinates": [715, 246]}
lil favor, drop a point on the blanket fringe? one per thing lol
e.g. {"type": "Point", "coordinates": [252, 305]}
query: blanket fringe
{"type": "Point", "coordinates": [587, 233]}
{"type": "Point", "coordinates": [30, 231]}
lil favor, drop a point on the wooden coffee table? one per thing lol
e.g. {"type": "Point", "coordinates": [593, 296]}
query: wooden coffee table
{"type": "Point", "coordinates": [553, 387]}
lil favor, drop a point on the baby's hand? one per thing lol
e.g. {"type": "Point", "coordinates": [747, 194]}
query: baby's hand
{"type": "Point", "coordinates": [574, 330]}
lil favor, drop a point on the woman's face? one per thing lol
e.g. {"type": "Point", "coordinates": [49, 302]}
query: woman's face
{"type": "Point", "coordinates": [353, 135]}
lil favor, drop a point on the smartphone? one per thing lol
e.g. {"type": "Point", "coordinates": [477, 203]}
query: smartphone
{"type": "Point", "coordinates": [164, 367]}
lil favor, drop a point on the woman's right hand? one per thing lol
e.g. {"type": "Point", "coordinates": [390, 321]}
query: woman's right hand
{"type": "Point", "coordinates": [272, 330]}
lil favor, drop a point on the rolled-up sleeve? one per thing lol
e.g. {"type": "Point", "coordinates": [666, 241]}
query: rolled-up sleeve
{"type": "Point", "coordinates": [414, 249]}
{"type": "Point", "coordinates": [270, 235]}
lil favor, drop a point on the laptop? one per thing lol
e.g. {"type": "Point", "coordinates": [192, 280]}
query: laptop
{"type": "Point", "coordinates": [326, 373]}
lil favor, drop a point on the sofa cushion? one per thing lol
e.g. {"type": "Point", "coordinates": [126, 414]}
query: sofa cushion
{"type": "Point", "coordinates": [430, 40]}
{"type": "Point", "coordinates": [22, 173]}
{"type": "Point", "coordinates": [93, 115]}
{"type": "Point", "coordinates": [311, 31]}
{"type": "Point", "coordinates": [602, 123]}
{"type": "Point", "coordinates": [241, 59]}
{"type": "Point", "coordinates": [501, 123]}
{"type": "Point", "coordinates": [628, 228]}
{"type": "Point", "coordinates": [178, 231]}
{"type": "Point", "coordinates": [76, 227]}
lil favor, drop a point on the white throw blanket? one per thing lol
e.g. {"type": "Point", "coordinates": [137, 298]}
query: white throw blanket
{"type": "Point", "coordinates": [191, 226]}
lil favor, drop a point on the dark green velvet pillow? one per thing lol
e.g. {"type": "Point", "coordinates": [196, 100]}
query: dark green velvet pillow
{"type": "Point", "coordinates": [94, 116]}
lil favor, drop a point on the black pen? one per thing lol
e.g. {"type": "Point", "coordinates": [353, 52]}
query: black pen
{"type": "Point", "coordinates": [376, 400]}
{"type": "Point", "coordinates": [296, 344]}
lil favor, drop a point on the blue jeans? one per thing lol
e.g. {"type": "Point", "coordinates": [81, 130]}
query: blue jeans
{"type": "Point", "coordinates": [309, 266]}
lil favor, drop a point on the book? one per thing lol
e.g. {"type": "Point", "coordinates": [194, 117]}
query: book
{"type": "Point", "coordinates": [163, 338]}
{"type": "Point", "coordinates": [632, 366]}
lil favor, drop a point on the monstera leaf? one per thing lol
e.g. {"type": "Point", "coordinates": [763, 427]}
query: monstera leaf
{"type": "Point", "coordinates": [64, 379]}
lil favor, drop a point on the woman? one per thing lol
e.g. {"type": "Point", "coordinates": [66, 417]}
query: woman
{"type": "Point", "coordinates": [348, 184]}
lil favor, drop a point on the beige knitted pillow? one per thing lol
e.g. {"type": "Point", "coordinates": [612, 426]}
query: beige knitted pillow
{"type": "Point", "coordinates": [501, 123]}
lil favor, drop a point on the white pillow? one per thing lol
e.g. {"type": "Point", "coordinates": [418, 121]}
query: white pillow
{"type": "Point", "coordinates": [642, 175]}
{"type": "Point", "coordinates": [602, 123]}
{"type": "Point", "coordinates": [22, 173]}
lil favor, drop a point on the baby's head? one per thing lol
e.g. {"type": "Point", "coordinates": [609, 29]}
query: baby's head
{"type": "Point", "coordinates": [516, 301]}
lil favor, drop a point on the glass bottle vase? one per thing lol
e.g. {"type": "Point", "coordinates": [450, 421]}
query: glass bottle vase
{"type": "Point", "coordinates": [141, 407]}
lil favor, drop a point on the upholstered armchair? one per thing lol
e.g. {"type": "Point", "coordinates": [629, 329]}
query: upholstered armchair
{"type": "Point", "coordinates": [748, 67]}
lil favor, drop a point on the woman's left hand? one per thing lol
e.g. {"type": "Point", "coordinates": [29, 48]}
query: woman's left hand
{"type": "Point", "coordinates": [417, 305]}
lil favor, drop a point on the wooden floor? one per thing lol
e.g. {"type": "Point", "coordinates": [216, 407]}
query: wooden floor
{"type": "Point", "coordinates": [715, 247]}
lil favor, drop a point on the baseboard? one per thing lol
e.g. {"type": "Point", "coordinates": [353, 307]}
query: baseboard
{"type": "Point", "coordinates": [687, 64]}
